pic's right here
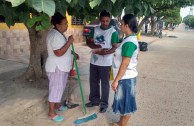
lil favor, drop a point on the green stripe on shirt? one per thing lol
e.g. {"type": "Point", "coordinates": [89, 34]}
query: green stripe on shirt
{"type": "Point", "coordinates": [115, 38]}
{"type": "Point", "coordinates": [128, 49]}
{"type": "Point", "coordinates": [91, 35]}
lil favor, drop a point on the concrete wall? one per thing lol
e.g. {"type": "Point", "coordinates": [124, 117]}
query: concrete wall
{"type": "Point", "coordinates": [15, 44]}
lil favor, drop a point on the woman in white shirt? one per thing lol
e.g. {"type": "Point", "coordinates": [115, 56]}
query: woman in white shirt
{"type": "Point", "coordinates": [124, 69]}
{"type": "Point", "coordinates": [58, 64]}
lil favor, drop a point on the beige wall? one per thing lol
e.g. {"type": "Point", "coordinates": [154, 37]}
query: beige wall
{"type": "Point", "coordinates": [77, 34]}
{"type": "Point", "coordinates": [15, 45]}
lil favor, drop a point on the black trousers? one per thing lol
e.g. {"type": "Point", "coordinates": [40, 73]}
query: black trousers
{"type": "Point", "coordinates": [99, 75]}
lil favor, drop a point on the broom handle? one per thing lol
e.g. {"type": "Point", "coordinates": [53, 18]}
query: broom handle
{"type": "Point", "coordinates": [79, 81]}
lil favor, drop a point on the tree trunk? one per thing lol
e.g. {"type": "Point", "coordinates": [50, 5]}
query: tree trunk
{"type": "Point", "coordinates": [141, 23]}
{"type": "Point", "coordinates": [153, 25]}
{"type": "Point", "coordinates": [166, 26]}
{"type": "Point", "coordinates": [38, 55]}
{"type": "Point", "coordinates": [119, 18]}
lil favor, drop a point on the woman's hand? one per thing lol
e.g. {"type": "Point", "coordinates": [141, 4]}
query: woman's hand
{"type": "Point", "coordinates": [121, 72]}
{"type": "Point", "coordinates": [114, 85]}
{"type": "Point", "coordinates": [70, 39]}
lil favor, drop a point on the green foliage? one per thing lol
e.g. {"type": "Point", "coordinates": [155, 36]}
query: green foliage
{"type": "Point", "coordinates": [69, 1]}
{"type": "Point", "coordinates": [95, 3]}
{"type": "Point", "coordinates": [31, 22]}
{"type": "Point", "coordinates": [113, 1]}
{"type": "Point", "coordinates": [46, 6]}
{"type": "Point", "coordinates": [61, 6]}
{"type": "Point", "coordinates": [73, 3]}
{"type": "Point", "coordinates": [23, 16]}
{"type": "Point", "coordinates": [16, 3]}
{"type": "Point", "coordinates": [189, 20]}
{"type": "Point", "coordinates": [170, 16]}
{"type": "Point", "coordinates": [139, 8]}
{"type": "Point", "coordinates": [41, 22]}
{"type": "Point", "coordinates": [8, 12]}
{"type": "Point", "coordinates": [192, 22]}
{"type": "Point", "coordinates": [87, 9]}
{"type": "Point", "coordinates": [82, 3]}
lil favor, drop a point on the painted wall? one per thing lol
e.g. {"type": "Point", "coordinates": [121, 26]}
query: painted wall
{"type": "Point", "coordinates": [18, 26]}
{"type": "Point", "coordinates": [15, 44]}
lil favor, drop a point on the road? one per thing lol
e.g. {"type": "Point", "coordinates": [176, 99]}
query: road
{"type": "Point", "coordinates": [165, 94]}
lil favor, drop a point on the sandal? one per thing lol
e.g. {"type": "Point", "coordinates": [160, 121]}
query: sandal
{"type": "Point", "coordinates": [61, 108]}
{"type": "Point", "coordinates": [71, 105]}
{"type": "Point", "coordinates": [57, 118]}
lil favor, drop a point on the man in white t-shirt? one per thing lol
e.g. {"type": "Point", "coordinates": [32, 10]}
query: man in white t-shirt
{"type": "Point", "coordinates": [103, 42]}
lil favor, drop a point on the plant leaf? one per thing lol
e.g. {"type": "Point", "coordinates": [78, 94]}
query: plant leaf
{"type": "Point", "coordinates": [45, 21]}
{"type": "Point", "coordinates": [95, 3]}
{"type": "Point", "coordinates": [152, 10]}
{"type": "Point", "coordinates": [8, 12]}
{"type": "Point", "coordinates": [69, 1]}
{"type": "Point", "coordinates": [16, 3]}
{"type": "Point", "coordinates": [9, 21]}
{"type": "Point", "coordinates": [61, 6]}
{"type": "Point", "coordinates": [23, 16]}
{"type": "Point", "coordinates": [74, 2]}
{"type": "Point", "coordinates": [46, 6]}
{"type": "Point", "coordinates": [82, 3]}
{"type": "Point", "coordinates": [113, 1]}
{"type": "Point", "coordinates": [138, 5]}
{"type": "Point", "coordinates": [31, 22]}
{"type": "Point", "coordinates": [40, 28]}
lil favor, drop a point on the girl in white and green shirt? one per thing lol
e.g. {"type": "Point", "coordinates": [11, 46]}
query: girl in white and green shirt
{"type": "Point", "coordinates": [124, 70]}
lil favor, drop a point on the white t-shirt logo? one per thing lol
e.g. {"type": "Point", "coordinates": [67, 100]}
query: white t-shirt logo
{"type": "Point", "coordinates": [100, 40]}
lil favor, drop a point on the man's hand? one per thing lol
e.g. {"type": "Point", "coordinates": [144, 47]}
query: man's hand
{"type": "Point", "coordinates": [77, 56]}
{"type": "Point", "coordinates": [101, 52]}
{"type": "Point", "coordinates": [89, 41]}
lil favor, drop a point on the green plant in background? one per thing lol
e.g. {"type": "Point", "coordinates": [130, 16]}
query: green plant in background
{"type": "Point", "coordinates": [189, 20]}
{"type": "Point", "coordinates": [192, 22]}
{"type": "Point", "coordinates": [170, 17]}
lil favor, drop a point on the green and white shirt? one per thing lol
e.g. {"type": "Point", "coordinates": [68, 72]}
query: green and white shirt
{"type": "Point", "coordinates": [128, 48]}
{"type": "Point", "coordinates": [105, 38]}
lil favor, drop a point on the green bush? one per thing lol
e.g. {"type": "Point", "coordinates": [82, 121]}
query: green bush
{"type": "Point", "coordinates": [189, 20]}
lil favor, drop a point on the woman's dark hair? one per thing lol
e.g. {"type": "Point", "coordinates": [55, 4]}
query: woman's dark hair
{"type": "Point", "coordinates": [130, 19]}
{"type": "Point", "coordinates": [104, 13]}
{"type": "Point", "coordinates": [57, 18]}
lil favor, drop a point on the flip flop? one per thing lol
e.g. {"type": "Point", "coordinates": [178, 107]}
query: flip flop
{"type": "Point", "coordinates": [71, 106]}
{"type": "Point", "coordinates": [61, 108]}
{"type": "Point", "coordinates": [57, 118]}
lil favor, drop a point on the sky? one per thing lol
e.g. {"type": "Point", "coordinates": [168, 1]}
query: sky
{"type": "Point", "coordinates": [185, 11]}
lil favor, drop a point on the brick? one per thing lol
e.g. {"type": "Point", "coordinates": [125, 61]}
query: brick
{"type": "Point", "coordinates": [4, 34]}
{"type": "Point", "coordinates": [8, 41]}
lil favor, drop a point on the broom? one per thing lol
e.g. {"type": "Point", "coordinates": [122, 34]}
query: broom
{"type": "Point", "coordinates": [85, 118]}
